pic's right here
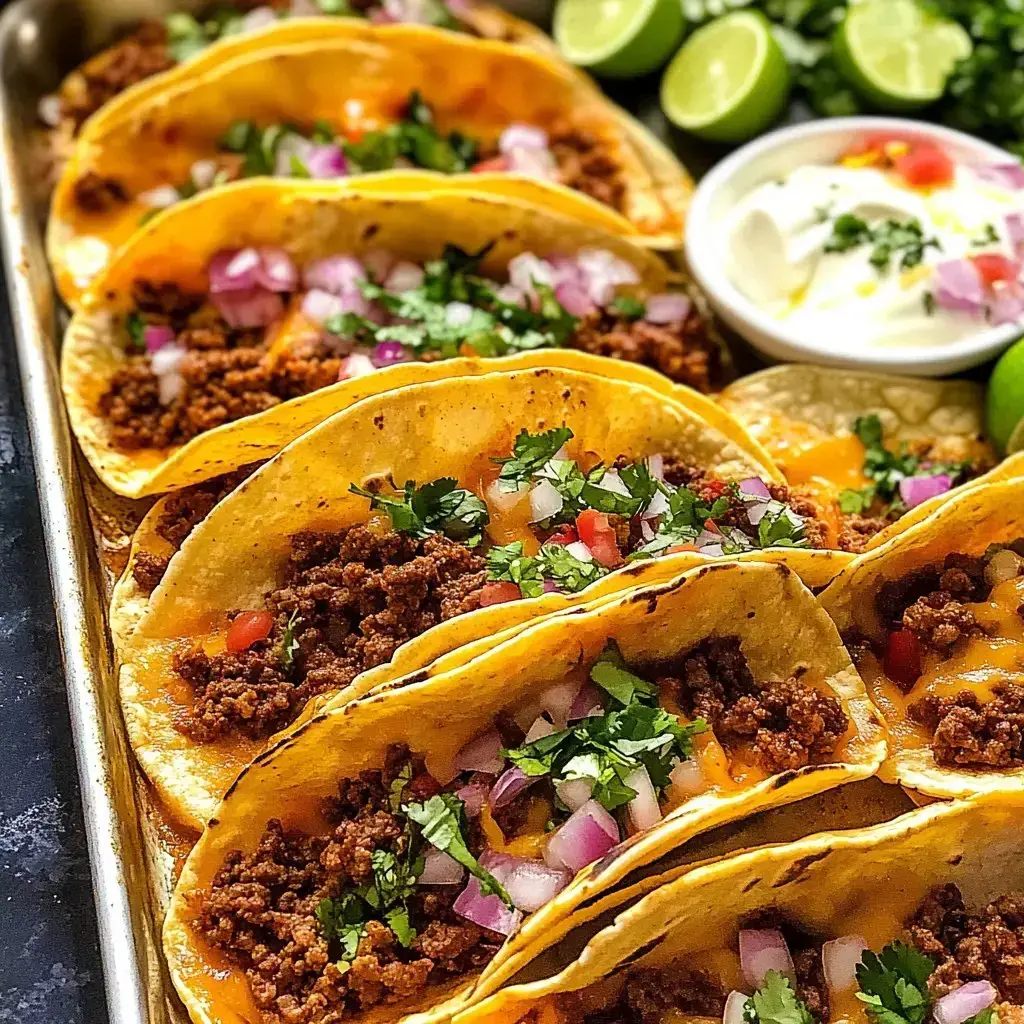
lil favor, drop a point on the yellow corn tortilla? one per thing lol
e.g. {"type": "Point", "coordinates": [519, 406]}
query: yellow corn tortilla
{"type": "Point", "coordinates": [759, 603]}
{"type": "Point", "coordinates": [967, 524]}
{"type": "Point", "coordinates": [310, 220]}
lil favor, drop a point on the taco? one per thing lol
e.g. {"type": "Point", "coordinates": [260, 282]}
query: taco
{"type": "Point", "coordinates": [415, 523]}
{"type": "Point", "coordinates": [935, 620]}
{"type": "Point", "coordinates": [420, 112]}
{"type": "Point", "coordinates": [886, 451]}
{"type": "Point", "coordinates": [912, 920]}
{"type": "Point", "coordinates": [516, 791]}
{"type": "Point", "coordinates": [216, 337]}
{"type": "Point", "coordinates": [226, 30]}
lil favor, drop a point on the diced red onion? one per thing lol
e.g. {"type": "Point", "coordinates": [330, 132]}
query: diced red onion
{"type": "Point", "coordinates": [587, 836]}
{"type": "Point", "coordinates": [545, 501]}
{"type": "Point", "coordinates": [474, 796]}
{"type": "Point", "coordinates": [404, 277]}
{"type": "Point", "coordinates": [540, 728]}
{"type": "Point", "coordinates": [440, 869]}
{"type": "Point", "coordinates": [535, 163]}
{"type": "Point", "coordinates": [558, 700]}
{"type": "Point", "coordinates": [604, 272]}
{"type": "Point", "coordinates": [49, 110]}
{"type": "Point", "coordinates": [526, 268]}
{"type": "Point", "coordinates": [157, 335]}
{"type": "Point", "coordinates": [763, 950]}
{"type": "Point", "coordinates": [522, 136]}
{"type": "Point", "coordinates": [1015, 229]}
{"type": "Point", "coordinates": [512, 295]}
{"type": "Point", "coordinates": [1009, 175]}
{"type": "Point", "coordinates": [320, 306]}
{"type": "Point", "coordinates": [358, 364]}
{"type": "Point", "coordinates": [687, 779]}
{"type": "Point", "coordinates": [757, 512]}
{"type": "Point", "coordinates": [277, 271]}
{"type": "Point", "coordinates": [574, 793]}
{"type": "Point", "coordinates": [551, 587]}
{"type": "Point", "coordinates": [530, 884]}
{"type": "Point", "coordinates": [574, 299]}
{"type": "Point", "coordinates": [458, 314]}
{"type": "Point", "coordinates": [255, 307]}
{"type": "Point", "coordinates": [580, 551]}
{"type": "Point", "coordinates": [510, 784]}
{"type": "Point", "coordinates": [964, 1002]}
{"type": "Point", "coordinates": [326, 161]}
{"type": "Point", "coordinates": [335, 274]}
{"type": "Point", "coordinates": [233, 270]}
{"type": "Point", "coordinates": [839, 958]}
{"type": "Point", "coordinates": [1007, 304]}
{"type": "Point", "coordinates": [667, 309]}
{"type": "Point", "coordinates": [481, 754]}
{"type": "Point", "coordinates": [643, 810]}
{"type": "Point", "coordinates": [917, 489]}
{"type": "Point", "coordinates": [160, 198]}
{"type": "Point", "coordinates": [958, 287]}
{"type": "Point", "coordinates": [656, 467]}
{"type": "Point", "coordinates": [203, 173]}
{"type": "Point", "coordinates": [755, 488]}
{"type": "Point", "coordinates": [489, 911]}
{"type": "Point", "coordinates": [735, 1005]}
{"type": "Point", "coordinates": [706, 537]}
{"type": "Point", "coordinates": [388, 353]}
{"type": "Point", "coordinates": [588, 703]}
{"type": "Point", "coordinates": [256, 19]}
{"type": "Point", "coordinates": [647, 530]}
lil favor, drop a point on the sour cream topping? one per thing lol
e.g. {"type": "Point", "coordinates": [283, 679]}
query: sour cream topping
{"type": "Point", "coordinates": [809, 250]}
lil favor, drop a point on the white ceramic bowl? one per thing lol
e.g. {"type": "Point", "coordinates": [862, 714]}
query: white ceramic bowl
{"type": "Point", "coordinates": [774, 155]}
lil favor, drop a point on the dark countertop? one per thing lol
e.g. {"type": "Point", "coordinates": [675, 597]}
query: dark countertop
{"type": "Point", "coordinates": [50, 969]}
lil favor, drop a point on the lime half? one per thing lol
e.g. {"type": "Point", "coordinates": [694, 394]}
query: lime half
{"type": "Point", "coordinates": [1004, 409]}
{"type": "Point", "coordinates": [618, 38]}
{"type": "Point", "coordinates": [896, 54]}
{"type": "Point", "coordinates": [729, 81]}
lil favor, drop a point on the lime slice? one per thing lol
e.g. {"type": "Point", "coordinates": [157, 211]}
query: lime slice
{"type": "Point", "coordinates": [1004, 411]}
{"type": "Point", "coordinates": [729, 81]}
{"type": "Point", "coordinates": [618, 38]}
{"type": "Point", "coordinates": [896, 54]}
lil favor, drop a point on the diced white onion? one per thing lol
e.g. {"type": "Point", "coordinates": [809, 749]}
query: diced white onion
{"type": "Point", "coordinates": [763, 950]}
{"type": "Point", "coordinates": [580, 551]}
{"type": "Point", "coordinates": [735, 1004]}
{"type": "Point", "coordinates": [687, 779]}
{"type": "Point", "coordinates": [1002, 566]}
{"type": "Point", "coordinates": [574, 793]}
{"type": "Point", "coordinates": [643, 810]}
{"type": "Point", "coordinates": [160, 198]}
{"type": "Point", "coordinates": [839, 959]}
{"type": "Point", "coordinates": [545, 502]}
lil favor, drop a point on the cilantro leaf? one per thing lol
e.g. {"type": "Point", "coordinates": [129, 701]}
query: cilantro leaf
{"type": "Point", "coordinates": [530, 454]}
{"type": "Point", "coordinates": [616, 680]}
{"type": "Point", "coordinates": [775, 1002]}
{"type": "Point", "coordinates": [289, 644]}
{"type": "Point", "coordinates": [856, 501]}
{"type": "Point", "coordinates": [441, 820]}
{"type": "Point", "coordinates": [342, 922]}
{"type": "Point", "coordinates": [629, 307]}
{"type": "Point", "coordinates": [507, 563]}
{"type": "Point", "coordinates": [438, 507]}
{"type": "Point", "coordinates": [894, 984]}
{"type": "Point", "coordinates": [888, 239]}
{"type": "Point", "coordinates": [136, 328]}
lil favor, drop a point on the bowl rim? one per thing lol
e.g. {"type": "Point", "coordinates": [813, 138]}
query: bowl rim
{"type": "Point", "coordinates": [754, 324]}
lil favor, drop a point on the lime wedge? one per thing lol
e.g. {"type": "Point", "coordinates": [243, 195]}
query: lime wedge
{"type": "Point", "coordinates": [1004, 409]}
{"type": "Point", "coordinates": [618, 38]}
{"type": "Point", "coordinates": [896, 54]}
{"type": "Point", "coordinates": [729, 81]}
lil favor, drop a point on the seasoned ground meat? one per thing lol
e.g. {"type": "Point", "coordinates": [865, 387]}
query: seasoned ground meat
{"type": "Point", "coordinates": [856, 531]}
{"type": "Point", "coordinates": [261, 910]}
{"type": "Point", "coordinates": [96, 194]}
{"type": "Point", "coordinates": [353, 599]}
{"type": "Point", "coordinates": [645, 996]}
{"type": "Point", "coordinates": [969, 733]}
{"type": "Point", "coordinates": [182, 511]}
{"type": "Point", "coordinates": [988, 945]}
{"type": "Point", "coordinates": [682, 350]}
{"type": "Point", "coordinates": [788, 723]}
{"type": "Point", "coordinates": [584, 164]}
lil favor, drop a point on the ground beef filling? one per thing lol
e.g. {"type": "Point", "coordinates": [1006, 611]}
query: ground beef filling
{"type": "Point", "coordinates": [988, 945]}
{"type": "Point", "coordinates": [353, 599]}
{"type": "Point", "coordinates": [645, 996]}
{"type": "Point", "coordinates": [856, 532]}
{"type": "Point", "coordinates": [584, 164]}
{"type": "Point", "coordinates": [969, 733]}
{"type": "Point", "coordinates": [261, 911]}
{"type": "Point", "coordinates": [182, 512]}
{"type": "Point", "coordinates": [96, 194]}
{"type": "Point", "coordinates": [788, 724]}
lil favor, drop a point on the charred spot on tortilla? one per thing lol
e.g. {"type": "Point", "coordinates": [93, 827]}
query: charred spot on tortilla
{"type": "Point", "coordinates": [955, 859]}
{"type": "Point", "coordinates": [378, 421]}
{"type": "Point", "coordinates": [797, 871]}
{"type": "Point", "coordinates": [753, 883]}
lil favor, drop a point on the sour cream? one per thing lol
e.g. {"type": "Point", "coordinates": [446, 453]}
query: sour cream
{"type": "Point", "coordinates": [778, 235]}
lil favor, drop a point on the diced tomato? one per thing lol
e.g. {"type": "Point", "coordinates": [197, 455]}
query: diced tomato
{"type": "Point", "coordinates": [711, 526]}
{"type": "Point", "coordinates": [564, 534]}
{"type": "Point", "coordinates": [712, 490]}
{"type": "Point", "coordinates": [679, 548]}
{"type": "Point", "coordinates": [498, 593]}
{"type": "Point", "coordinates": [495, 163]}
{"type": "Point", "coordinates": [994, 267]}
{"type": "Point", "coordinates": [903, 658]}
{"type": "Point", "coordinates": [247, 628]}
{"type": "Point", "coordinates": [599, 535]}
{"type": "Point", "coordinates": [925, 165]}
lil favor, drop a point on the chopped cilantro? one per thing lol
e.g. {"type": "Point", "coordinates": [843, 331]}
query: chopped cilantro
{"type": "Point", "coordinates": [610, 673]}
{"type": "Point", "coordinates": [856, 501]}
{"type": "Point", "coordinates": [136, 328]}
{"type": "Point", "coordinates": [775, 1002]}
{"type": "Point", "coordinates": [342, 921]}
{"type": "Point", "coordinates": [894, 984]}
{"type": "Point", "coordinates": [781, 528]}
{"type": "Point", "coordinates": [988, 236]}
{"type": "Point", "coordinates": [530, 454]}
{"type": "Point", "coordinates": [396, 791]}
{"type": "Point", "coordinates": [888, 239]}
{"type": "Point", "coordinates": [335, 6]}
{"type": "Point", "coordinates": [629, 307]}
{"type": "Point", "coordinates": [637, 480]}
{"type": "Point", "coordinates": [442, 821]}
{"type": "Point", "coordinates": [507, 563]}
{"type": "Point", "coordinates": [928, 301]}
{"type": "Point", "coordinates": [683, 522]}
{"type": "Point", "coordinates": [289, 644]}
{"type": "Point", "coordinates": [438, 507]}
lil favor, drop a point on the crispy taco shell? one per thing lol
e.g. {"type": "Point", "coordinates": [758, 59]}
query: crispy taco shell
{"type": "Point", "coordinates": [311, 221]}
{"type": "Point", "coordinates": [987, 655]}
{"type": "Point", "coordinates": [473, 87]}
{"type": "Point", "coordinates": [448, 428]}
{"type": "Point", "coordinates": [757, 602]}
{"type": "Point", "coordinates": [804, 416]}
{"type": "Point", "coordinates": [864, 882]}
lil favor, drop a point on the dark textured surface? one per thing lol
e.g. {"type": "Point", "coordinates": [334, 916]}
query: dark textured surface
{"type": "Point", "coordinates": [49, 960]}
